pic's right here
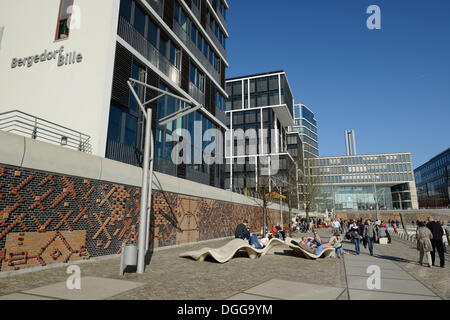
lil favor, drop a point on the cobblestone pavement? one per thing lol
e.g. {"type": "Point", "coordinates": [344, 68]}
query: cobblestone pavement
{"type": "Point", "coordinates": [169, 277]}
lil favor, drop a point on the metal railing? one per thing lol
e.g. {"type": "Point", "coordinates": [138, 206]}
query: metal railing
{"type": "Point", "coordinates": [123, 153]}
{"type": "Point", "coordinates": [16, 121]}
{"type": "Point", "coordinates": [196, 93]}
{"type": "Point", "coordinates": [127, 32]}
{"type": "Point", "coordinates": [157, 5]}
{"type": "Point", "coordinates": [216, 41]}
{"type": "Point", "coordinates": [196, 11]}
{"type": "Point", "coordinates": [219, 14]}
{"type": "Point", "coordinates": [196, 51]}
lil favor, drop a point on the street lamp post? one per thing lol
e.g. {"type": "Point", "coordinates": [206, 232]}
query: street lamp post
{"type": "Point", "coordinates": [375, 195]}
{"type": "Point", "coordinates": [147, 172]}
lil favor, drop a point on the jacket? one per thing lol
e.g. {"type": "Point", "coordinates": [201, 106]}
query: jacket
{"type": "Point", "coordinates": [369, 231]}
{"type": "Point", "coordinates": [424, 236]}
{"type": "Point", "coordinates": [382, 232]}
{"type": "Point", "coordinates": [242, 232]}
{"type": "Point", "coordinates": [334, 242]}
{"type": "Point", "coordinates": [436, 230]}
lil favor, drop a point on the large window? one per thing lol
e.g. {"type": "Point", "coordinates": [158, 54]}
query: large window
{"type": "Point", "coordinates": [139, 20]}
{"type": "Point", "coordinates": [197, 78]}
{"type": "Point", "coordinates": [62, 29]}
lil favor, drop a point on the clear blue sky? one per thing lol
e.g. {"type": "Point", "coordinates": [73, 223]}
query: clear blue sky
{"type": "Point", "coordinates": [391, 85]}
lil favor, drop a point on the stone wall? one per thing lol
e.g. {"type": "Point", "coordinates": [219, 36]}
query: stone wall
{"type": "Point", "coordinates": [48, 218]}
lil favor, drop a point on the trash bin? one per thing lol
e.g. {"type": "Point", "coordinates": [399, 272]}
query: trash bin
{"type": "Point", "coordinates": [128, 256]}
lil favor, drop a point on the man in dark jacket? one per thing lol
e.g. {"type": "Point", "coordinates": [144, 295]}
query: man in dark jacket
{"type": "Point", "coordinates": [242, 231]}
{"type": "Point", "coordinates": [370, 234]}
{"type": "Point", "coordinates": [436, 242]}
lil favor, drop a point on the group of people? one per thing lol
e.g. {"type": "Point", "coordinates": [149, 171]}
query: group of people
{"type": "Point", "coordinates": [315, 245]}
{"type": "Point", "coordinates": [302, 225]}
{"type": "Point", "coordinates": [368, 233]}
{"type": "Point", "coordinates": [243, 232]}
{"type": "Point", "coordinates": [428, 235]}
{"type": "Point", "coordinates": [429, 240]}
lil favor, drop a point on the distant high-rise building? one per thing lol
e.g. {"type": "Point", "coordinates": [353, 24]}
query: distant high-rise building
{"type": "Point", "coordinates": [306, 126]}
{"type": "Point", "coordinates": [350, 142]}
{"type": "Point", "coordinates": [433, 182]}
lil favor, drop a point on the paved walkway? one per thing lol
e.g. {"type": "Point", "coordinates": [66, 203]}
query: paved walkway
{"type": "Point", "coordinates": [279, 275]}
{"type": "Point", "coordinates": [395, 283]}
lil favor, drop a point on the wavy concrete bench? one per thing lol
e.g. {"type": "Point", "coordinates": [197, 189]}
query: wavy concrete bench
{"type": "Point", "coordinates": [299, 251]}
{"type": "Point", "coordinates": [227, 252]}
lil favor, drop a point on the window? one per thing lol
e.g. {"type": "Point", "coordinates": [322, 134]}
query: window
{"type": "Point", "coordinates": [115, 123]}
{"type": "Point", "coordinates": [152, 32]}
{"type": "Point", "coordinates": [139, 20]}
{"type": "Point", "coordinates": [197, 78]}
{"type": "Point", "coordinates": [62, 29]}
{"type": "Point", "coordinates": [125, 9]}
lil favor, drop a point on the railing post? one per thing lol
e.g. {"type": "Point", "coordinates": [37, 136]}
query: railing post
{"type": "Point", "coordinates": [34, 134]}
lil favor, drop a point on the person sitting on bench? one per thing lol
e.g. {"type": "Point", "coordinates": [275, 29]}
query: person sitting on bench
{"type": "Point", "coordinates": [242, 231]}
{"type": "Point", "coordinates": [313, 248]}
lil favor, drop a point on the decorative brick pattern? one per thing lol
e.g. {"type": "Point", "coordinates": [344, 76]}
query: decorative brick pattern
{"type": "Point", "coordinates": [48, 218]}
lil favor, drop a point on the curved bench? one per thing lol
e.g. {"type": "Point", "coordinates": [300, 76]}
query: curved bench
{"type": "Point", "coordinates": [299, 251]}
{"type": "Point", "coordinates": [227, 252]}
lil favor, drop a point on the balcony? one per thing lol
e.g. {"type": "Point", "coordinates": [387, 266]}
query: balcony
{"type": "Point", "coordinates": [127, 32]}
{"type": "Point", "coordinates": [219, 14]}
{"type": "Point", "coordinates": [123, 153]}
{"type": "Point", "coordinates": [196, 11]}
{"type": "Point", "coordinates": [195, 51]}
{"type": "Point", "coordinates": [157, 5]}
{"type": "Point", "coordinates": [196, 93]}
{"type": "Point", "coordinates": [27, 125]}
{"type": "Point", "coordinates": [216, 41]}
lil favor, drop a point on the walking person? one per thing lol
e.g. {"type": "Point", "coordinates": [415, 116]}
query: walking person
{"type": "Point", "coordinates": [370, 234]}
{"type": "Point", "coordinates": [436, 242]}
{"type": "Point", "coordinates": [424, 238]}
{"type": "Point", "coordinates": [356, 237]}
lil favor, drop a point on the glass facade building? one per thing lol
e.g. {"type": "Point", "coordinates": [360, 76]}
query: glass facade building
{"type": "Point", "coordinates": [306, 126]}
{"type": "Point", "coordinates": [261, 107]}
{"type": "Point", "coordinates": [177, 46]}
{"type": "Point", "coordinates": [360, 182]}
{"type": "Point", "coordinates": [433, 182]}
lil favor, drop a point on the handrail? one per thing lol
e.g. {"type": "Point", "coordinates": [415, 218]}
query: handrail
{"type": "Point", "coordinates": [26, 124]}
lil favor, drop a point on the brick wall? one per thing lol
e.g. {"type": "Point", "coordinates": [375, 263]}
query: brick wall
{"type": "Point", "coordinates": [48, 218]}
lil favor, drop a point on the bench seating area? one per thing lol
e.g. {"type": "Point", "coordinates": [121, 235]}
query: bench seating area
{"type": "Point", "coordinates": [305, 254]}
{"type": "Point", "coordinates": [227, 252]}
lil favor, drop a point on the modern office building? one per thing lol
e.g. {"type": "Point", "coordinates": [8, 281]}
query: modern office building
{"type": "Point", "coordinates": [259, 111]}
{"type": "Point", "coordinates": [63, 64]}
{"type": "Point", "coordinates": [360, 182]}
{"type": "Point", "coordinates": [433, 182]}
{"type": "Point", "coordinates": [350, 142]}
{"type": "Point", "coordinates": [306, 125]}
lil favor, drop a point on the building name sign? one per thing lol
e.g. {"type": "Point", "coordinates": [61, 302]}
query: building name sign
{"type": "Point", "coordinates": [61, 58]}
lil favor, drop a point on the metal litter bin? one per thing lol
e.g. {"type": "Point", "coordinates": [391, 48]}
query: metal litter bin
{"type": "Point", "coordinates": [128, 256]}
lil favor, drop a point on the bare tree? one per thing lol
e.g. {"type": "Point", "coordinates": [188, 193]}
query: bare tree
{"type": "Point", "coordinates": [309, 189]}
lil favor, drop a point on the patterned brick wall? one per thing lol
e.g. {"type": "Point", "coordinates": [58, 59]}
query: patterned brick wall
{"type": "Point", "coordinates": [47, 218]}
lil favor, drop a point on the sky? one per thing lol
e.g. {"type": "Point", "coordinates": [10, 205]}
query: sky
{"type": "Point", "coordinates": [392, 86]}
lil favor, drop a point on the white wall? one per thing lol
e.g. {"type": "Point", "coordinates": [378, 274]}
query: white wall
{"type": "Point", "coordinates": [76, 96]}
